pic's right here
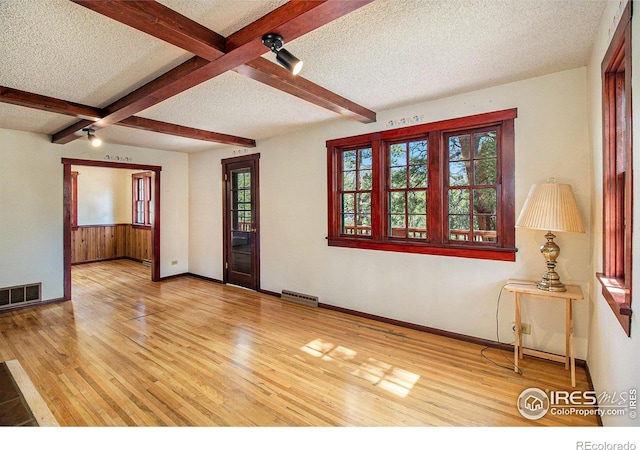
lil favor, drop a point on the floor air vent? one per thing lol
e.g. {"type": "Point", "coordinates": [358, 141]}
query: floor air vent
{"type": "Point", "coordinates": [303, 299]}
{"type": "Point", "coordinates": [19, 295]}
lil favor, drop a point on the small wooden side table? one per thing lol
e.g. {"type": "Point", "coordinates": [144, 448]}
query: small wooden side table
{"type": "Point", "coordinates": [573, 292]}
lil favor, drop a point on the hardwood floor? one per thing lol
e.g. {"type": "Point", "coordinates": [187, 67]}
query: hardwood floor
{"type": "Point", "coordinates": [188, 352]}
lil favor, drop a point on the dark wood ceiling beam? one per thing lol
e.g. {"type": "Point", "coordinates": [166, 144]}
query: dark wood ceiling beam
{"type": "Point", "coordinates": [89, 114]}
{"type": "Point", "coordinates": [309, 15]}
{"type": "Point", "coordinates": [163, 23]}
{"type": "Point", "coordinates": [49, 104]}
{"type": "Point", "coordinates": [69, 134]}
{"type": "Point", "coordinates": [140, 123]}
{"type": "Point", "coordinates": [173, 82]}
{"type": "Point", "coordinates": [264, 71]}
{"type": "Point", "coordinates": [167, 84]}
{"type": "Point", "coordinates": [292, 20]}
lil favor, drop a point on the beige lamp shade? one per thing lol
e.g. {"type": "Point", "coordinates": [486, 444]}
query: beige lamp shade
{"type": "Point", "coordinates": [551, 207]}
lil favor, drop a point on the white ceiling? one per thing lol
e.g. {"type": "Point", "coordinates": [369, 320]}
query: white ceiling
{"type": "Point", "coordinates": [387, 54]}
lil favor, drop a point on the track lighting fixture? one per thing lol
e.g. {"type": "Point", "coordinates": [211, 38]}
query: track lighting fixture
{"type": "Point", "coordinates": [93, 139]}
{"type": "Point", "coordinates": [274, 42]}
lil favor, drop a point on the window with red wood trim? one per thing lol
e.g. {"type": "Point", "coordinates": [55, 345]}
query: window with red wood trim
{"type": "Point", "coordinates": [472, 185]}
{"type": "Point", "coordinates": [406, 192]}
{"type": "Point", "coordinates": [74, 199]}
{"type": "Point", "coordinates": [141, 199]}
{"type": "Point", "coordinates": [617, 180]}
{"type": "Point", "coordinates": [355, 184]}
{"type": "Point", "coordinates": [443, 188]}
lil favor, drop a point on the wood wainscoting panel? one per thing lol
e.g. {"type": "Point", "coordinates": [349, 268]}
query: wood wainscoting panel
{"type": "Point", "coordinates": [138, 243]}
{"type": "Point", "coordinates": [104, 242]}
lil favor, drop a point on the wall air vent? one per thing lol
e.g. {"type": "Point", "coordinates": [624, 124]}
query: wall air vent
{"type": "Point", "coordinates": [20, 295]}
{"type": "Point", "coordinates": [302, 299]}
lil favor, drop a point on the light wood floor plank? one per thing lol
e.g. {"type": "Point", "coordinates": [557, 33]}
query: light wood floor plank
{"type": "Point", "coordinates": [188, 352]}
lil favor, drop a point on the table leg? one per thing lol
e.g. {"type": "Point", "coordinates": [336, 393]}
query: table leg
{"type": "Point", "coordinates": [517, 346]}
{"type": "Point", "coordinates": [568, 333]}
{"type": "Point", "coordinates": [571, 343]}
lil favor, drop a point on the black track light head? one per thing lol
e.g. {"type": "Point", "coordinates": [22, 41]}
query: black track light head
{"type": "Point", "coordinates": [275, 42]}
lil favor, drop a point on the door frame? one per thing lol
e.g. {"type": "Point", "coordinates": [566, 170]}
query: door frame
{"type": "Point", "coordinates": [252, 159]}
{"type": "Point", "coordinates": [66, 213]}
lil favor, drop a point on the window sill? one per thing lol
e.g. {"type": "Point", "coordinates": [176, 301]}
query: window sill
{"type": "Point", "coordinates": [141, 227]}
{"type": "Point", "coordinates": [617, 296]}
{"type": "Point", "coordinates": [462, 251]}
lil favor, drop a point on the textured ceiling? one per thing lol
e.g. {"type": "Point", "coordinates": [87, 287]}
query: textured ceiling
{"type": "Point", "coordinates": [384, 55]}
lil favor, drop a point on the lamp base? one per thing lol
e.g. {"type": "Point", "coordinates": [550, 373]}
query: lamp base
{"type": "Point", "coordinates": [551, 285]}
{"type": "Point", "coordinates": [550, 279]}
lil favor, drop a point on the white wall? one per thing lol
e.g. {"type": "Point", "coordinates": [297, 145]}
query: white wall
{"type": "Point", "coordinates": [205, 204]}
{"type": "Point", "coordinates": [454, 294]}
{"type": "Point", "coordinates": [31, 206]}
{"type": "Point", "coordinates": [104, 195]}
{"type": "Point", "coordinates": [613, 358]}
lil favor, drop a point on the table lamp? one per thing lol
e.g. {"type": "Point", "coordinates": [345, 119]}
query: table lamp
{"type": "Point", "coordinates": [551, 206]}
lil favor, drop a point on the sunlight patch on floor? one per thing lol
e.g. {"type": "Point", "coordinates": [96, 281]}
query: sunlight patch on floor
{"type": "Point", "coordinates": [328, 351]}
{"type": "Point", "coordinates": [392, 379]}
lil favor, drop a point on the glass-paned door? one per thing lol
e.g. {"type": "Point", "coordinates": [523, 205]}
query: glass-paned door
{"type": "Point", "coordinates": [241, 225]}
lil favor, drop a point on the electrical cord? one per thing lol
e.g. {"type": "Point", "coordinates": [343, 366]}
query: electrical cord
{"type": "Point", "coordinates": [510, 365]}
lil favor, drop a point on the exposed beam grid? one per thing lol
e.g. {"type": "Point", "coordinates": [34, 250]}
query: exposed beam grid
{"type": "Point", "coordinates": [291, 20]}
{"type": "Point", "coordinates": [170, 26]}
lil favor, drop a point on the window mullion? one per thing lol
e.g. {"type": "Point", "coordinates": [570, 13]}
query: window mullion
{"type": "Point", "coordinates": [378, 204]}
{"type": "Point", "coordinates": [407, 223]}
{"type": "Point", "coordinates": [436, 213]}
{"type": "Point", "coordinates": [472, 186]}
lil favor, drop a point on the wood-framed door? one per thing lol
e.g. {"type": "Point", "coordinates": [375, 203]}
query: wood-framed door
{"type": "Point", "coordinates": [241, 216]}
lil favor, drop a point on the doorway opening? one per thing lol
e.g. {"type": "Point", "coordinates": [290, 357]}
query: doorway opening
{"type": "Point", "coordinates": [70, 219]}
